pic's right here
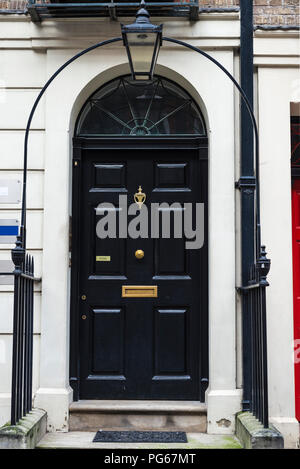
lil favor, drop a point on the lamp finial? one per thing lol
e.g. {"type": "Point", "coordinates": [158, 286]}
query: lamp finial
{"type": "Point", "coordinates": [142, 10]}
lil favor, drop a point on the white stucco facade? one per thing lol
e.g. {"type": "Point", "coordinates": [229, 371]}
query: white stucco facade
{"type": "Point", "coordinates": [29, 54]}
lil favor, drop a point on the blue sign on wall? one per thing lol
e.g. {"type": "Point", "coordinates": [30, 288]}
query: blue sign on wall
{"type": "Point", "coordinates": [9, 229]}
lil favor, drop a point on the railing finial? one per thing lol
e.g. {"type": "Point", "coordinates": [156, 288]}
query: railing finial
{"type": "Point", "coordinates": [263, 266]}
{"type": "Point", "coordinates": [18, 254]}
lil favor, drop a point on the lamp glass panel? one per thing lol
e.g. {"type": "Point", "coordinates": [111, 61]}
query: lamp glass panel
{"type": "Point", "coordinates": [141, 46]}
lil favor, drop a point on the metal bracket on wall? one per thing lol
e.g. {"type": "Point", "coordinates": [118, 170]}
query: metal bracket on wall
{"type": "Point", "coordinates": [246, 182]}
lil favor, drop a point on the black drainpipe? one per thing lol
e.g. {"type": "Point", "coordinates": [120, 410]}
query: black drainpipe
{"type": "Point", "coordinates": [246, 184]}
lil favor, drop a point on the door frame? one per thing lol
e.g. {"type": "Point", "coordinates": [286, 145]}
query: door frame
{"type": "Point", "coordinates": [134, 143]}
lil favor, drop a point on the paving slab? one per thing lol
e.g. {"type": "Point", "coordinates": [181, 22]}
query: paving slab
{"type": "Point", "coordinates": [84, 440]}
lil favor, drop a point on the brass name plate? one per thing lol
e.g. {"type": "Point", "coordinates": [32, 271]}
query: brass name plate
{"type": "Point", "coordinates": [102, 258]}
{"type": "Point", "coordinates": [139, 291]}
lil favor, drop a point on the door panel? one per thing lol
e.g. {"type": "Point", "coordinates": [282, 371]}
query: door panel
{"type": "Point", "coordinates": [107, 341]}
{"type": "Point", "coordinates": [170, 350]}
{"type": "Point", "coordinates": [141, 348]}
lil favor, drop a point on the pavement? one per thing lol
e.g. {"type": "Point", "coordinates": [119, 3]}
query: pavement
{"type": "Point", "coordinates": [84, 440]}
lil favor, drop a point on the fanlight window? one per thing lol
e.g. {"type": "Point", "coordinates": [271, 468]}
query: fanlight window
{"type": "Point", "coordinates": [124, 107]}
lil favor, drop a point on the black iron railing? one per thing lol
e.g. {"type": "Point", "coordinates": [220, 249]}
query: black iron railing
{"type": "Point", "coordinates": [255, 296]}
{"type": "Point", "coordinates": [21, 390]}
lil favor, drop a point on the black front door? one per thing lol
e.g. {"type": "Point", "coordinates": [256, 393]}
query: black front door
{"type": "Point", "coordinates": [140, 347]}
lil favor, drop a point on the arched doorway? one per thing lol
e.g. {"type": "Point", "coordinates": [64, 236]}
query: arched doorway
{"type": "Point", "coordinates": [139, 296]}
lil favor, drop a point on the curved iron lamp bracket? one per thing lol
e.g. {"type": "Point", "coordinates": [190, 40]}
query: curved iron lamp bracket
{"type": "Point", "coordinates": [254, 125]}
{"type": "Point", "coordinates": [21, 239]}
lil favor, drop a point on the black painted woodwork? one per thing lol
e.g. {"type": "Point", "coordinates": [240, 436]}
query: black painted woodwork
{"type": "Point", "coordinates": [138, 348]}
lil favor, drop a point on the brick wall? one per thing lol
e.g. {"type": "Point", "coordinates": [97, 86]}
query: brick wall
{"type": "Point", "coordinates": [266, 12]}
{"type": "Point", "coordinates": [276, 12]}
{"type": "Point", "coordinates": [219, 3]}
{"type": "Point", "coordinates": [12, 4]}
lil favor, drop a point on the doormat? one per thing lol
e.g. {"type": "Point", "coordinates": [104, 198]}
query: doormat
{"type": "Point", "coordinates": [139, 437]}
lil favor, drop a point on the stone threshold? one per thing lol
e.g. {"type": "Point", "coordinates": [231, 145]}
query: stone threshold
{"type": "Point", "coordinates": [118, 406]}
{"type": "Point", "coordinates": [90, 415]}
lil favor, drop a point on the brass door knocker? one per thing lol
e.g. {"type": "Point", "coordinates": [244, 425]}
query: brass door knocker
{"type": "Point", "coordinates": [140, 197]}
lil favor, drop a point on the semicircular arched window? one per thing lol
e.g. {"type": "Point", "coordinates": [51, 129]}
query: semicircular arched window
{"type": "Point", "coordinates": [124, 107]}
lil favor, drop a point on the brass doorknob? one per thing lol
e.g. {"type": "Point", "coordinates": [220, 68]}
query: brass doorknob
{"type": "Point", "coordinates": [139, 254]}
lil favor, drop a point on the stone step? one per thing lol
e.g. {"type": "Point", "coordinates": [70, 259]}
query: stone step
{"type": "Point", "coordinates": [91, 415]}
